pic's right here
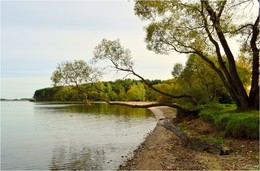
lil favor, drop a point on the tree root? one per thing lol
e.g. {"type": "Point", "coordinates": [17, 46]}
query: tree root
{"type": "Point", "coordinates": [195, 144]}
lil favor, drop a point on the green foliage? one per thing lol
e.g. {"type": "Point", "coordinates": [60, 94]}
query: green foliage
{"type": "Point", "coordinates": [224, 98]}
{"type": "Point", "coordinates": [114, 52]}
{"type": "Point", "coordinates": [243, 127]}
{"type": "Point", "coordinates": [46, 94]}
{"type": "Point", "coordinates": [119, 90]}
{"type": "Point", "coordinates": [231, 122]}
{"type": "Point", "coordinates": [167, 87]}
{"type": "Point", "coordinates": [198, 80]}
{"type": "Point", "coordinates": [202, 28]}
{"type": "Point", "coordinates": [177, 70]}
{"type": "Point", "coordinates": [74, 73]}
{"type": "Point", "coordinates": [213, 140]}
{"type": "Point", "coordinates": [136, 93]}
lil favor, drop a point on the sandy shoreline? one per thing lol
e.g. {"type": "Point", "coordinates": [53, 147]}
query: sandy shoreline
{"type": "Point", "coordinates": [141, 159]}
{"type": "Point", "coordinates": [163, 150]}
{"type": "Point", "coordinates": [149, 155]}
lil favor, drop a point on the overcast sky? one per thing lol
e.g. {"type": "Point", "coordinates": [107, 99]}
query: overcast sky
{"type": "Point", "coordinates": [37, 35]}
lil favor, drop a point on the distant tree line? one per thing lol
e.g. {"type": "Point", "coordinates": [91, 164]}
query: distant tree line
{"type": "Point", "coordinates": [119, 90]}
{"type": "Point", "coordinates": [127, 90]}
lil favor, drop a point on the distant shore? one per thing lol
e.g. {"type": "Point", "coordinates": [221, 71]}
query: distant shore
{"type": "Point", "coordinates": [22, 99]}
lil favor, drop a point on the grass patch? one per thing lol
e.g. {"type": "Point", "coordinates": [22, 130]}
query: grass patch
{"type": "Point", "coordinates": [236, 124]}
{"type": "Point", "coordinates": [210, 139]}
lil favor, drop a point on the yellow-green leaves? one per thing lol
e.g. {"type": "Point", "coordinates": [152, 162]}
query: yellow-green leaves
{"type": "Point", "coordinates": [115, 53]}
{"type": "Point", "coordinates": [74, 73]}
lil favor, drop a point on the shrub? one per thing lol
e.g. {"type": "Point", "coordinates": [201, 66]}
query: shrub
{"type": "Point", "coordinates": [208, 117]}
{"type": "Point", "coordinates": [242, 127]}
{"type": "Point", "coordinates": [231, 122]}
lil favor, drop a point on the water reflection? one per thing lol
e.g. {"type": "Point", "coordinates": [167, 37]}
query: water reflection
{"type": "Point", "coordinates": [71, 159]}
{"type": "Point", "coordinates": [70, 137]}
{"type": "Point", "coordinates": [91, 158]}
{"type": "Point", "coordinates": [107, 132]}
{"type": "Point", "coordinates": [98, 109]}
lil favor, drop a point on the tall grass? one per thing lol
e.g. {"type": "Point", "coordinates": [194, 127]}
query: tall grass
{"type": "Point", "coordinates": [231, 122]}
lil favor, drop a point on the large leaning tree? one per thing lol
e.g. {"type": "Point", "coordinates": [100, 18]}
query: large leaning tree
{"type": "Point", "coordinates": [120, 58]}
{"type": "Point", "coordinates": [204, 28]}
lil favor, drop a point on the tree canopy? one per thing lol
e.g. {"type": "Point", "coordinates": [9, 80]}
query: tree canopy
{"type": "Point", "coordinates": [203, 28]}
{"type": "Point", "coordinates": [74, 73]}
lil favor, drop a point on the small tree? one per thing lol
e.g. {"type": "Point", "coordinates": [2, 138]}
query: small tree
{"type": "Point", "coordinates": [177, 69]}
{"type": "Point", "coordinates": [136, 92]}
{"type": "Point", "coordinates": [74, 74]}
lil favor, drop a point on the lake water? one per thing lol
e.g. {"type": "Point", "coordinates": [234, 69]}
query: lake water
{"type": "Point", "coordinates": [64, 136]}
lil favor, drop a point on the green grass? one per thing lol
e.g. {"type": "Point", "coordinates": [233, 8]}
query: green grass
{"type": "Point", "coordinates": [210, 139]}
{"type": "Point", "coordinates": [226, 118]}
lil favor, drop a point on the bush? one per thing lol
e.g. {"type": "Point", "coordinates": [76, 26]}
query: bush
{"type": "Point", "coordinates": [225, 99]}
{"type": "Point", "coordinates": [184, 115]}
{"type": "Point", "coordinates": [241, 127]}
{"type": "Point", "coordinates": [232, 123]}
{"type": "Point", "coordinates": [208, 117]}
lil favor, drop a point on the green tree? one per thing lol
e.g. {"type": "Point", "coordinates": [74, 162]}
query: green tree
{"type": "Point", "coordinates": [177, 69]}
{"type": "Point", "coordinates": [198, 79]}
{"type": "Point", "coordinates": [61, 95]}
{"type": "Point", "coordinates": [203, 28]}
{"type": "Point", "coordinates": [165, 87]}
{"type": "Point", "coordinates": [136, 92]}
{"type": "Point", "coordinates": [46, 94]}
{"type": "Point", "coordinates": [100, 93]}
{"type": "Point", "coordinates": [111, 95]}
{"type": "Point", "coordinates": [74, 74]}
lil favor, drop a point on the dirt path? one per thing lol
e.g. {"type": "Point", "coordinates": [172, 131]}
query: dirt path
{"type": "Point", "coordinates": [162, 150]}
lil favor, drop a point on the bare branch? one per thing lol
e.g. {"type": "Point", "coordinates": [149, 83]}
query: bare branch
{"type": "Point", "coordinates": [223, 3]}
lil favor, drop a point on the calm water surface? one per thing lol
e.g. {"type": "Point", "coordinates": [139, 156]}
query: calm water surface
{"type": "Point", "coordinates": [58, 136]}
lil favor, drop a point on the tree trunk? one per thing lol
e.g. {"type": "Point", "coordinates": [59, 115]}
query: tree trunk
{"type": "Point", "coordinates": [254, 99]}
{"type": "Point", "coordinates": [235, 85]}
{"type": "Point", "coordinates": [254, 92]}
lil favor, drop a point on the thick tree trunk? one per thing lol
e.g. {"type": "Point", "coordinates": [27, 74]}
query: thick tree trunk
{"type": "Point", "coordinates": [254, 99]}
{"type": "Point", "coordinates": [235, 86]}
{"type": "Point", "coordinates": [254, 92]}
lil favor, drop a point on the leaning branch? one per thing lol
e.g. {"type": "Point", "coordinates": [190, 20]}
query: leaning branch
{"type": "Point", "coordinates": [193, 112]}
{"type": "Point", "coordinates": [194, 101]}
